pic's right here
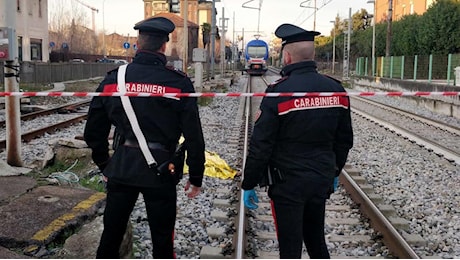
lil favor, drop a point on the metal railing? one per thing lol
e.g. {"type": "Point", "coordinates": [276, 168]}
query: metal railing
{"type": "Point", "coordinates": [431, 68]}
{"type": "Point", "coordinates": [46, 73]}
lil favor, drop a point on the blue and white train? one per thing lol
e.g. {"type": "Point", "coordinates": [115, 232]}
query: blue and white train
{"type": "Point", "coordinates": [256, 55]}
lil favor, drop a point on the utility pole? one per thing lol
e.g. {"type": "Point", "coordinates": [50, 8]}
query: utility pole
{"type": "Point", "coordinates": [12, 103]}
{"type": "Point", "coordinates": [390, 18]}
{"type": "Point", "coordinates": [373, 36]}
{"type": "Point", "coordinates": [104, 51]}
{"type": "Point", "coordinates": [333, 48]}
{"type": "Point", "coordinates": [314, 16]}
{"type": "Point", "coordinates": [346, 48]}
{"type": "Point", "coordinates": [222, 46]}
{"type": "Point", "coordinates": [314, 12]}
{"type": "Point", "coordinates": [213, 36]}
{"type": "Point", "coordinates": [233, 45]}
{"type": "Point", "coordinates": [184, 65]}
{"type": "Point", "coordinates": [257, 8]}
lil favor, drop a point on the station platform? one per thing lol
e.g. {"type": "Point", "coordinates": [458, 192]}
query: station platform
{"type": "Point", "coordinates": [37, 218]}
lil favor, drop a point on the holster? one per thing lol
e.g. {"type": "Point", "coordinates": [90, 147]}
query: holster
{"type": "Point", "coordinates": [118, 140]}
{"type": "Point", "coordinates": [178, 159]}
{"type": "Point", "coordinates": [272, 176]}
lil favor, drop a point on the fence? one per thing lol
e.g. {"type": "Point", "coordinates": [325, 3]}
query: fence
{"type": "Point", "coordinates": [429, 67]}
{"type": "Point", "coordinates": [47, 73]}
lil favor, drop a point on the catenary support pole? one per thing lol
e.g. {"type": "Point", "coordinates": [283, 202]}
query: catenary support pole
{"type": "Point", "coordinates": [12, 111]}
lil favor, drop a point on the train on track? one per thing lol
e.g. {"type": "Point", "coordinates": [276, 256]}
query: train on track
{"type": "Point", "coordinates": [256, 55]}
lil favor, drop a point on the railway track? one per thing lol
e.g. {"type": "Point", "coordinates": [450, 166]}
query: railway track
{"type": "Point", "coordinates": [63, 109]}
{"type": "Point", "coordinates": [255, 236]}
{"type": "Point", "coordinates": [70, 119]}
{"type": "Point", "coordinates": [437, 136]}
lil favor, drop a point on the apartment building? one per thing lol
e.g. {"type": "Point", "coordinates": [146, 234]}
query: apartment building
{"type": "Point", "coordinates": [198, 11]}
{"type": "Point", "coordinates": [31, 28]}
{"type": "Point", "coordinates": [400, 8]}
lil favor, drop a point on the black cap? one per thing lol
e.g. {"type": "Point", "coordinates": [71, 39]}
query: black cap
{"type": "Point", "coordinates": [155, 26]}
{"type": "Point", "coordinates": [290, 33]}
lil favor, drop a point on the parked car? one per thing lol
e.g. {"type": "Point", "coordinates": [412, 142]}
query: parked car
{"type": "Point", "coordinates": [77, 60]}
{"type": "Point", "coordinates": [105, 60]}
{"type": "Point", "coordinates": [121, 61]}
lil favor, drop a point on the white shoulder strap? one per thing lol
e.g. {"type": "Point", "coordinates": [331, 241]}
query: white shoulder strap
{"type": "Point", "coordinates": [132, 117]}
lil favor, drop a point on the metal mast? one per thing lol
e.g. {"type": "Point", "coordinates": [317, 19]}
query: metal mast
{"type": "Point", "coordinates": [94, 11]}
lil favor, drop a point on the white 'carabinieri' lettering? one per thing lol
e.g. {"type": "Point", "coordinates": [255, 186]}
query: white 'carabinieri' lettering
{"type": "Point", "coordinates": [316, 102]}
{"type": "Point", "coordinates": [145, 88]}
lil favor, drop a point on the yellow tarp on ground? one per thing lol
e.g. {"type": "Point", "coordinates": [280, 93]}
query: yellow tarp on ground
{"type": "Point", "coordinates": [216, 167]}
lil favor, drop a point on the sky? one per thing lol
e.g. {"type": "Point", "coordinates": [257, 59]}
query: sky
{"type": "Point", "coordinates": [120, 15]}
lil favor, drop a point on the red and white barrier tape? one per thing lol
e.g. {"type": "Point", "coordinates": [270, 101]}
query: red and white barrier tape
{"type": "Point", "coordinates": [231, 94]}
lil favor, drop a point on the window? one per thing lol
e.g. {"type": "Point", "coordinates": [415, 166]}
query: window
{"type": "Point", "coordinates": [36, 49]}
{"type": "Point", "coordinates": [257, 51]}
{"type": "Point", "coordinates": [20, 47]}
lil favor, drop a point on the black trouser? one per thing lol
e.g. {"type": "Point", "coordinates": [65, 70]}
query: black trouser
{"type": "Point", "coordinates": [299, 211]}
{"type": "Point", "coordinates": [160, 203]}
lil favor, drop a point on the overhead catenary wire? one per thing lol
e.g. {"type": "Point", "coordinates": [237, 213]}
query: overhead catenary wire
{"type": "Point", "coordinates": [325, 2]}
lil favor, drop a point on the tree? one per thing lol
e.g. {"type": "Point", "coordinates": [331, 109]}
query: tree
{"type": "Point", "coordinates": [408, 26]}
{"type": "Point", "coordinates": [67, 21]}
{"type": "Point", "coordinates": [440, 32]}
{"type": "Point", "coordinates": [206, 30]}
{"type": "Point", "coordinates": [361, 20]}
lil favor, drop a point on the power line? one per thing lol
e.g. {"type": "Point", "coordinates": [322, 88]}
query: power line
{"type": "Point", "coordinates": [298, 17]}
{"type": "Point", "coordinates": [325, 2]}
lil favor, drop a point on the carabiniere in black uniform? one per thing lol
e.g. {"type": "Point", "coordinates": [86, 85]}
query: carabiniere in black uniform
{"type": "Point", "coordinates": [300, 134]}
{"type": "Point", "coordinates": [307, 139]}
{"type": "Point", "coordinates": [161, 119]}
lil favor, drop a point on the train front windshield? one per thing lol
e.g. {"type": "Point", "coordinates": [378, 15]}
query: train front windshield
{"type": "Point", "coordinates": [257, 51]}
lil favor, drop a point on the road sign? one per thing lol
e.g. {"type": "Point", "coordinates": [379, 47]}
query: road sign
{"type": "Point", "coordinates": [135, 47]}
{"type": "Point", "coordinates": [52, 44]}
{"type": "Point", "coordinates": [65, 45]}
{"type": "Point", "coordinates": [126, 45]}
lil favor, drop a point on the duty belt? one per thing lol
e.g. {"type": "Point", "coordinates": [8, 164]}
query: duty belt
{"type": "Point", "coordinates": [151, 145]}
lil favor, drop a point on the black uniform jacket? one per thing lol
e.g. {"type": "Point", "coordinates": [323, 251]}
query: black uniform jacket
{"type": "Point", "coordinates": [302, 136]}
{"type": "Point", "coordinates": [161, 119]}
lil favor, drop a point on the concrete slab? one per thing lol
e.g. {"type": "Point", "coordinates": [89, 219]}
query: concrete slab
{"type": "Point", "coordinates": [7, 170]}
{"type": "Point", "coordinates": [14, 186]}
{"type": "Point", "coordinates": [45, 213]}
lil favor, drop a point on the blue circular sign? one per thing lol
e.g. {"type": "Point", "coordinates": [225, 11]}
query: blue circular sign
{"type": "Point", "coordinates": [126, 45]}
{"type": "Point", "coordinates": [52, 44]}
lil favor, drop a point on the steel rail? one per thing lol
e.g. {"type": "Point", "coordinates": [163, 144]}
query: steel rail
{"type": "Point", "coordinates": [240, 245]}
{"type": "Point", "coordinates": [423, 119]}
{"type": "Point", "coordinates": [51, 128]}
{"type": "Point", "coordinates": [393, 240]}
{"type": "Point", "coordinates": [447, 153]}
{"type": "Point", "coordinates": [50, 111]}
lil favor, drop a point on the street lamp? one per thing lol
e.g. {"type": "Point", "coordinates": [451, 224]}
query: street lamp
{"type": "Point", "coordinates": [103, 29]}
{"type": "Point", "coordinates": [314, 14]}
{"type": "Point", "coordinates": [373, 37]}
{"type": "Point", "coordinates": [333, 48]}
